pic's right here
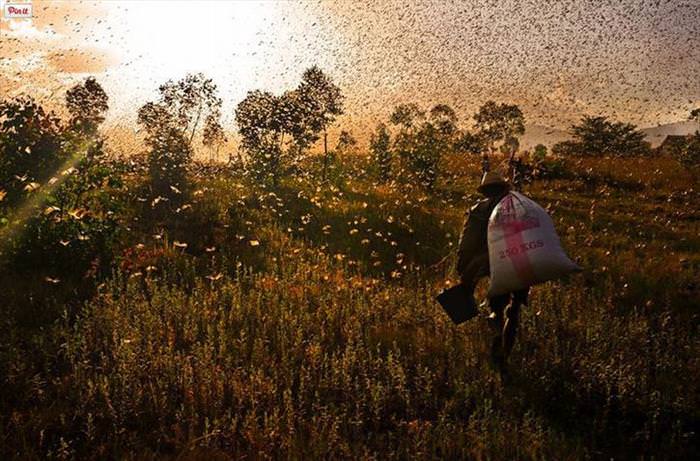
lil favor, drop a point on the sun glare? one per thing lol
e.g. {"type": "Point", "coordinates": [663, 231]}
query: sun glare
{"type": "Point", "coordinates": [163, 43]}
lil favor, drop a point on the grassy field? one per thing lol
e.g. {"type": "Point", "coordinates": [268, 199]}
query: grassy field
{"type": "Point", "coordinates": [299, 322]}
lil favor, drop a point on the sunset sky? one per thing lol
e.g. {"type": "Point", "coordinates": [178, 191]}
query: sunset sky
{"type": "Point", "coordinates": [637, 61]}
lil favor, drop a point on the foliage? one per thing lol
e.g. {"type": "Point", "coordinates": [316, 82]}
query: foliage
{"type": "Point", "coordinates": [313, 354]}
{"type": "Point", "coordinates": [63, 229]}
{"type": "Point", "coordinates": [298, 321]}
{"type": "Point", "coordinates": [499, 122]}
{"type": "Point", "coordinates": [539, 153]}
{"type": "Point", "coordinates": [345, 141]}
{"type": "Point", "coordinates": [276, 130]}
{"type": "Point", "coordinates": [695, 115]}
{"type": "Point", "coordinates": [168, 123]}
{"type": "Point", "coordinates": [424, 139]}
{"type": "Point", "coordinates": [469, 143]}
{"type": "Point", "coordinates": [600, 136]}
{"type": "Point", "coordinates": [380, 149]}
{"type": "Point", "coordinates": [189, 100]}
{"type": "Point", "coordinates": [262, 127]}
{"type": "Point", "coordinates": [87, 103]}
{"type": "Point", "coordinates": [689, 154]}
{"type": "Point", "coordinates": [31, 147]}
{"type": "Point", "coordinates": [167, 169]}
{"type": "Point", "coordinates": [213, 135]}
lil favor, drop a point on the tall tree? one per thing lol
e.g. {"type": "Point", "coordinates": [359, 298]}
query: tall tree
{"type": "Point", "coordinates": [213, 135]}
{"type": "Point", "coordinates": [408, 118]}
{"type": "Point", "coordinates": [323, 102]}
{"type": "Point", "coordinates": [380, 148]}
{"type": "Point", "coordinates": [423, 139]}
{"type": "Point", "coordinates": [262, 124]}
{"type": "Point", "coordinates": [499, 123]}
{"type": "Point", "coordinates": [171, 123]}
{"type": "Point", "coordinates": [187, 102]}
{"type": "Point", "coordinates": [87, 104]}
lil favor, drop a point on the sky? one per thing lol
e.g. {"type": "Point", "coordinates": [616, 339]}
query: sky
{"type": "Point", "coordinates": [636, 61]}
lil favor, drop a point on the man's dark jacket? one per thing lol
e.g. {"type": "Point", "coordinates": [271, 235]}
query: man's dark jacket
{"type": "Point", "coordinates": [473, 253]}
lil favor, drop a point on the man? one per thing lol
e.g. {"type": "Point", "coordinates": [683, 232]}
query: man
{"type": "Point", "coordinates": [473, 264]}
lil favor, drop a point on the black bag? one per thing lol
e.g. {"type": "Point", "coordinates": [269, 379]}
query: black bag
{"type": "Point", "coordinates": [459, 303]}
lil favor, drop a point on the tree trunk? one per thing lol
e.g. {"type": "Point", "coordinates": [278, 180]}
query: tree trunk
{"type": "Point", "coordinates": [196, 122]}
{"type": "Point", "coordinates": [325, 153]}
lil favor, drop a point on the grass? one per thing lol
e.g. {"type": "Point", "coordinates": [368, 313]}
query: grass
{"type": "Point", "coordinates": [310, 331]}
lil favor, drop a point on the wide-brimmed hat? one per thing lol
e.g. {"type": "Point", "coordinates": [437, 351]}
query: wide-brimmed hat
{"type": "Point", "coordinates": [491, 178]}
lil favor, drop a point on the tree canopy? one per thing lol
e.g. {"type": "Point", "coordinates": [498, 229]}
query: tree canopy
{"type": "Point", "coordinates": [599, 136]}
{"type": "Point", "coordinates": [87, 104]}
{"type": "Point", "coordinates": [499, 122]}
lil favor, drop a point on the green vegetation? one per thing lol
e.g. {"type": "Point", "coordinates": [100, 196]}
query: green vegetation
{"type": "Point", "coordinates": [295, 318]}
{"type": "Point", "coordinates": [599, 136]}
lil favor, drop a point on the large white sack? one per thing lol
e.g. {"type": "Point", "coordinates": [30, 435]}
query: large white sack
{"type": "Point", "coordinates": [524, 248]}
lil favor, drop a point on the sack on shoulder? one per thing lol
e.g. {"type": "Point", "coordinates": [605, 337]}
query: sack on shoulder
{"type": "Point", "coordinates": [524, 248]}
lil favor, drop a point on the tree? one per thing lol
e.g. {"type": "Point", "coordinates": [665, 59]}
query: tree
{"type": "Point", "coordinates": [469, 143]}
{"type": "Point", "coordinates": [423, 140]}
{"type": "Point", "coordinates": [213, 135]}
{"type": "Point", "coordinates": [262, 124]}
{"type": "Point", "coordinates": [322, 102]}
{"type": "Point", "coordinates": [30, 147]}
{"type": "Point", "coordinates": [167, 160]}
{"type": "Point", "coordinates": [345, 141]}
{"type": "Point", "coordinates": [695, 115]}
{"type": "Point", "coordinates": [380, 148]}
{"type": "Point", "coordinates": [689, 156]}
{"type": "Point", "coordinates": [183, 104]}
{"type": "Point", "coordinates": [87, 104]}
{"type": "Point", "coordinates": [539, 152]}
{"type": "Point", "coordinates": [444, 120]}
{"type": "Point", "coordinates": [599, 136]}
{"type": "Point", "coordinates": [171, 124]}
{"type": "Point", "coordinates": [510, 146]}
{"type": "Point", "coordinates": [499, 122]}
{"type": "Point", "coordinates": [406, 116]}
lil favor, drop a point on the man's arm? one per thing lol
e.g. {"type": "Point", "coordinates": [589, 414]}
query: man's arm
{"type": "Point", "coordinates": [471, 245]}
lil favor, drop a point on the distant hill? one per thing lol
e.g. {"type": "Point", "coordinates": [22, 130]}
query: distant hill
{"type": "Point", "coordinates": [656, 134]}
{"type": "Point", "coordinates": [538, 134]}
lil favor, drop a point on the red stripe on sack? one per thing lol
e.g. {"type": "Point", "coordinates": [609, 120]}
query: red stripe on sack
{"type": "Point", "coordinates": [513, 233]}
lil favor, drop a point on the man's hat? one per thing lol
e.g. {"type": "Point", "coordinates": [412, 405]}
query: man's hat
{"type": "Point", "coordinates": [491, 178]}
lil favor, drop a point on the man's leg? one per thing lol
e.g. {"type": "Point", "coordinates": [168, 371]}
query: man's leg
{"type": "Point", "coordinates": [496, 321]}
{"type": "Point", "coordinates": [512, 318]}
